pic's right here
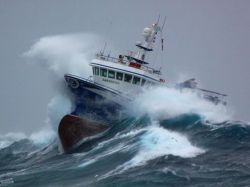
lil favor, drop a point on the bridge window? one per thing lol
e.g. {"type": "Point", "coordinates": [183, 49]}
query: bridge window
{"type": "Point", "coordinates": [143, 82]}
{"type": "Point", "coordinates": [96, 70]}
{"type": "Point", "coordinates": [127, 78]}
{"type": "Point", "coordinates": [103, 72]}
{"type": "Point", "coordinates": [136, 80]}
{"type": "Point", "coordinates": [119, 76]}
{"type": "Point", "coordinates": [111, 74]}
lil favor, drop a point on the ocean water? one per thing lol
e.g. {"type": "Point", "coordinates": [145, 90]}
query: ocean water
{"type": "Point", "coordinates": [181, 151]}
{"type": "Point", "coordinates": [164, 137]}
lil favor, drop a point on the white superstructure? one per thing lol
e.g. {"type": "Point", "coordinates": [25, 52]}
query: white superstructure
{"type": "Point", "coordinates": [128, 73]}
{"type": "Point", "coordinates": [119, 79]}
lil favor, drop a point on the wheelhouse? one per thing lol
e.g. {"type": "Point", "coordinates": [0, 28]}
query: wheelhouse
{"type": "Point", "coordinates": [120, 77]}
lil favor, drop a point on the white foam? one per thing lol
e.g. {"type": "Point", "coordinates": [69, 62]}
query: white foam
{"type": "Point", "coordinates": [9, 138]}
{"type": "Point", "coordinates": [43, 137]}
{"type": "Point", "coordinates": [107, 152]}
{"type": "Point", "coordinates": [158, 142]}
{"type": "Point", "coordinates": [163, 102]}
{"type": "Point", "coordinates": [129, 134]}
{"type": "Point", "coordinates": [40, 138]}
{"type": "Point", "coordinates": [155, 143]}
{"type": "Point", "coordinates": [110, 150]}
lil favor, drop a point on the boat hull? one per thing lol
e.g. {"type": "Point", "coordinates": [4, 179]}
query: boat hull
{"type": "Point", "coordinates": [98, 101]}
{"type": "Point", "coordinates": [78, 131]}
{"type": "Point", "coordinates": [74, 131]}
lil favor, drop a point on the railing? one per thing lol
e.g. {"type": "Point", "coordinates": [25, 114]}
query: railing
{"type": "Point", "coordinates": [126, 63]}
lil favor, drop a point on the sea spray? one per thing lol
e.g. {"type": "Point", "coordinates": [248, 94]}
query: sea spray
{"type": "Point", "coordinates": [69, 53]}
{"type": "Point", "coordinates": [59, 106]}
{"type": "Point", "coordinates": [164, 103]}
{"type": "Point", "coordinates": [61, 54]}
{"type": "Point", "coordinates": [43, 137]}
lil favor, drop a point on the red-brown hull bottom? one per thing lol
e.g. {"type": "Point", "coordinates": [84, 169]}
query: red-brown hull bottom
{"type": "Point", "coordinates": [73, 131]}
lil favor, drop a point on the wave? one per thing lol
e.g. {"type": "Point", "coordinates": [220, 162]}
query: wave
{"type": "Point", "coordinates": [155, 142]}
{"type": "Point", "coordinates": [135, 146]}
{"type": "Point", "coordinates": [43, 137]}
{"type": "Point", "coordinates": [39, 139]}
{"type": "Point", "coordinates": [9, 138]}
{"type": "Point", "coordinates": [164, 102]}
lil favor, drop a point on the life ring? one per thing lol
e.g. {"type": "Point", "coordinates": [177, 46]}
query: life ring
{"type": "Point", "coordinates": [73, 83]}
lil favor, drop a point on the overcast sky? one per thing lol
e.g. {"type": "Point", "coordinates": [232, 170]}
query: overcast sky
{"type": "Point", "coordinates": [205, 39]}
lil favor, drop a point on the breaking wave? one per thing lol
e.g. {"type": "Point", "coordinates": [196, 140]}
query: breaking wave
{"type": "Point", "coordinates": [40, 138]}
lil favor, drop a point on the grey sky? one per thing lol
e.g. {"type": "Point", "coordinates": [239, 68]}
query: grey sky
{"type": "Point", "coordinates": [206, 39]}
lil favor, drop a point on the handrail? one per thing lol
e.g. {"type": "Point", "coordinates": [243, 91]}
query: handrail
{"type": "Point", "coordinates": [126, 62]}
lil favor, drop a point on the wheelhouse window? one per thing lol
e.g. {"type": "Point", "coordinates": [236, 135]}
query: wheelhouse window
{"type": "Point", "coordinates": [96, 70]}
{"type": "Point", "coordinates": [136, 80]}
{"type": "Point", "coordinates": [103, 72]}
{"type": "Point", "coordinates": [127, 78]}
{"type": "Point", "coordinates": [111, 74]}
{"type": "Point", "coordinates": [143, 82]}
{"type": "Point", "coordinates": [119, 76]}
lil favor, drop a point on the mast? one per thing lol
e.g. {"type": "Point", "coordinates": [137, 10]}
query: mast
{"type": "Point", "coordinates": [149, 34]}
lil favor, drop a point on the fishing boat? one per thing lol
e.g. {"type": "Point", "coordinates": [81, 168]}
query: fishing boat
{"type": "Point", "coordinates": [115, 82]}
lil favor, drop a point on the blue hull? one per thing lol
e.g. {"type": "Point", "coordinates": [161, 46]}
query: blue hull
{"type": "Point", "coordinates": [87, 100]}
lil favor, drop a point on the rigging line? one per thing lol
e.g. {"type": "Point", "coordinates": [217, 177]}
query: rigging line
{"type": "Point", "coordinates": [162, 41]}
{"type": "Point", "coordinates": [156, 53]}
{"type": "Point", "coordinates": [156, 56]}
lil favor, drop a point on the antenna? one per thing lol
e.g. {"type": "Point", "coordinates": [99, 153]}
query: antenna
{"type": "Point", "coordinates": [162, 27]}
{"type": "Point", "coordinates": [107, 33]}
{"type": "Point", "coordinates": [158, 19]}
{"type": "Point", "coordinates": [163, 23]}
{"type": "Point", "coordinates": [104, 48]}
